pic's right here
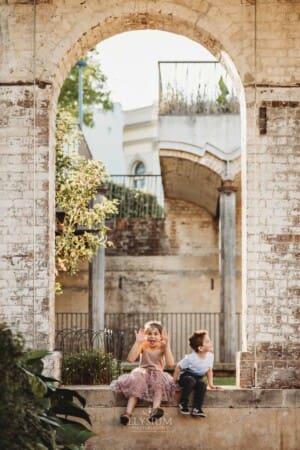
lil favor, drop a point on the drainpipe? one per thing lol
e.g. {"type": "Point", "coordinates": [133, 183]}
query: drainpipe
{"type": "Point", "coordinates": [80, 64]}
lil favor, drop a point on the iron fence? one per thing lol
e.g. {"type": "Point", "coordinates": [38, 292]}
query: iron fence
{"type": "Point", "coordinates": [78, 340]}
{"type": "Point", "coordinates": [179, 326]}
{"type": "Point", "coordinates": [71, 321]}
{"type": "Point", "coordinates": [90, 356]}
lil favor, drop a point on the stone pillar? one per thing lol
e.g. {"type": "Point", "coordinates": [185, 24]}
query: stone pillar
{"type": "Point", "coordinates": [228, 271]}
{"type": "Point", "coordinates": [96, 291]}
{"type": "Point", "coordinates": [271, 354]}
{"type": "Point", "coordinates": [97, 284]}
{"type": "Point", "coordinates": [27, 213]}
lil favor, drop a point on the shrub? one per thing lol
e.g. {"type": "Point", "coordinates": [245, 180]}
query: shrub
{"type": "Point", "coordinates": [176, 101]}
{"type": "Point", "coordinates": [134, 202]}
{"type": "Point", "coordinates": [89, 367]}
{"type": "Point", "coordinates": [35, 413]}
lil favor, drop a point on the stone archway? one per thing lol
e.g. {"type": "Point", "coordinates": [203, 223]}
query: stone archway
{"type": "Point", "coordinates": [40, 43]}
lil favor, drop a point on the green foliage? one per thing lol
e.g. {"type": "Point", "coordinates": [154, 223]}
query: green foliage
{"type": "Point", "coordinates": [35, 413]}
{"type": "Point", "coordinates": [176, 102]}
{"type": "Point", "coordinates": [225, 381]}
{"type": "Point", "coordinates": [222, 98]}
{"type": "Point", "coordinates": [89, 367]}
{"type": "Point", "coordinates": [20, 425]}
{"type": "Point", "coordinates": [93, 90]}
{"type": "Point", "coordinates": [77, 182]}
{"type": "Point", "coordinates": [134, 202]}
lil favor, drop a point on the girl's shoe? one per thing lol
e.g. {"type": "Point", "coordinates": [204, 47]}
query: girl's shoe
{"type": "Point", "coordinates": [156, 413]}
{"type": "Point", "coordinates": [124, 418]}
{"type": "Point", "coordinates": [198, 412]}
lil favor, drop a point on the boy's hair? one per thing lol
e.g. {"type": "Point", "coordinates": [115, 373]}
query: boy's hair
{"type": "Point", "coordinates": [197, 338]}
{"type": "Point", "coordinates": [155, 324]}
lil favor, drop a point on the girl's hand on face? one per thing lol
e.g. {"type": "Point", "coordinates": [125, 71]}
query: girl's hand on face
{"type": "Point", "coordinates": [140, 336]}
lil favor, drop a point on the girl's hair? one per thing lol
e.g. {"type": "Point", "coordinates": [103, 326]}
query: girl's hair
{"type": "Point", "coordinates": [197, 338]}
{"type": "Point", "coordinates": [154, 324]}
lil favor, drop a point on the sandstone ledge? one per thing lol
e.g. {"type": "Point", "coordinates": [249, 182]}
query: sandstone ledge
{"type": "Point", "coordinates": [103, 396]}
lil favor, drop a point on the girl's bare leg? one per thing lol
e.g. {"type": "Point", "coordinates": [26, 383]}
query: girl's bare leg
{"type": "Point", "coordinates": [156, 400]}
{"type": "Point", "coordinates": [131, 404]}
{"type": "Point", "coordinates": [157, 412]}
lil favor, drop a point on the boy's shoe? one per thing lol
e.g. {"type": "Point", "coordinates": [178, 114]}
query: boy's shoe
{"type": "Point", "coordinates": [198, 412]}
{"type": "Point", "coordinates": [183, 409]}
{"type": "Point", "coordinates": [157, 413]}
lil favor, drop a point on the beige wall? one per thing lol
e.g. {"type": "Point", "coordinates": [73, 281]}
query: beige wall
{"type": "Point", "coordinates": [75, 292]}
{"type": "Point", "coordinates": [179, 281]}
{"type": "Point", "coordinates": [175, 276]}
{"type": "Point", "coordinates": [236, 419]}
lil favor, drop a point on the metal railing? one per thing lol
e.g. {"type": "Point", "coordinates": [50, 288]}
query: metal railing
{"type": "Point", "coordinates": [71, 321]}
{"type": "Point", "coordinates": [90, 356]}
{"type": "Point", "coordinates": [179, 326]}
{"type": "Point", "coordinates": [79, 340]}
{"type": "Point", "coordinates": [195, 87]}
{"type": "Point", "coordinates": [138, 195]}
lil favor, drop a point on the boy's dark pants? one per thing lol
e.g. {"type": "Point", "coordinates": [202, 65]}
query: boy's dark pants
{"type": "Point", "coordinates": [190, 382]}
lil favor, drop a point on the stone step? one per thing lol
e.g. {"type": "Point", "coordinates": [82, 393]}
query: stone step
{"type": "Point", "coordinates": [237, 419]}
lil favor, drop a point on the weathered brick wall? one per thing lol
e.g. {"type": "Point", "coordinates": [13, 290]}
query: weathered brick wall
{"type": "Point", "coordinates": [137, 237]}
{"type": "Point", "coordinates": [157, 265]}
{"type": "Point", "coordinates": [273, 239]}
{"type": "Point", "coordinates": [169, 264]}
{"type": "Point", "coordinates": [26, 218]}
{"type": "Point", "coordinates": [272, 365]}
{"type": "Point", "coordinates": [262, 38]}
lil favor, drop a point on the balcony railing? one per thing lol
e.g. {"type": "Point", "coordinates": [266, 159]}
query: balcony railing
{"type": "Point", "coordinates": [138, 195]}
{"type": "Point", "coordinates": [179, 326]}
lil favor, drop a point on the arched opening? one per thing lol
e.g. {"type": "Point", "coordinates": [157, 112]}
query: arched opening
{"type": "Point", "coordinates": [76, 30]}
{"type": "Point", "coordinates": [54, 35]}
{"type": "Point", "coordinates": [210, 179]}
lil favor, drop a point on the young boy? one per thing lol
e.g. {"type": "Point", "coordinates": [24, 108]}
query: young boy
{"type": "Point", "coordinates": [191, 370]}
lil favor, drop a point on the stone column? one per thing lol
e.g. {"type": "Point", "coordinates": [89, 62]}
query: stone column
{"type": "Point", "coordinates": [27, 169]}
{"type": "Point", "coordinates": [96, 291]}
{"type": "Point", "coordinates": [97, 284]}
{"type": "Point", "coordinates": [228, 271]}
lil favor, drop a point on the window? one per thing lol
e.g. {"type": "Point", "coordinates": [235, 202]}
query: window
{"type": "Point", "coordinates": [139, 179]}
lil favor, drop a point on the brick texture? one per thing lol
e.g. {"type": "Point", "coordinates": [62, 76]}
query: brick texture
{"type": "Point", "coordinates": [262, 39]}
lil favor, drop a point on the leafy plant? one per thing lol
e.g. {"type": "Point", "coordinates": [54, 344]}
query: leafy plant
{"type": "Point", "coordinates": [134, 202]}
{"type": "Point", "coordinates": [175, 101]}
{"type": "Point", "coordinates": [89, 367]}
{"type": "Point", "coordinates": [77, 183]}
{"type": "Point", "coordinates": [35, 413]}
{"type": "Point", "coordinates": [94, 92]}
{"type": "Point", "coordinates": [222, 98]}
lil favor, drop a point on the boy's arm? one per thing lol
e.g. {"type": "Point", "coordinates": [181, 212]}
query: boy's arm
{"type": "Point", "coordinates": [210, 380]}
{"type": "Point", "coordinates": [176, 373]}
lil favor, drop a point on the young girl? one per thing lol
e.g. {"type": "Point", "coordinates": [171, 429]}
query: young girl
{"type": "Point", "coordinates": [148, 381]}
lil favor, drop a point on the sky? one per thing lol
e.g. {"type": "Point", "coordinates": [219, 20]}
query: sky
{"type": "Point", "coordinates": [129, 60]}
